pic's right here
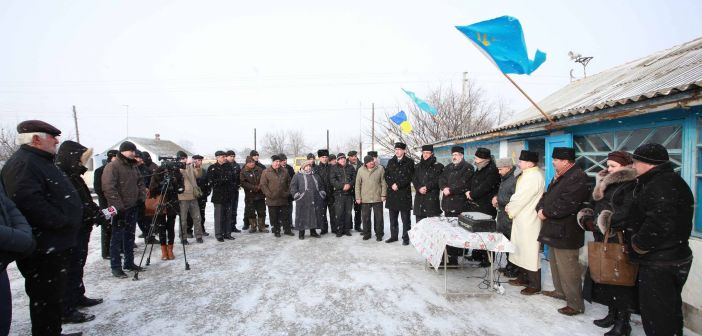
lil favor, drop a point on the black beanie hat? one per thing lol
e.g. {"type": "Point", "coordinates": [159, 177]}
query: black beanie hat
{"type": "Point", "coordinates": [367, 159]}
{"type": "Point", "coordinates": [563, 153]}
{"type": "Point", "coordinates": [275, 158]}
{"type": "Point", "coordinates": [220, 153]}
{"type": "Point", "coordinates": [457, 149]}
{"type": "Point", "coordinates": [310, 156]}
{"type": "Point", "coordinates": [137, 154]}
{"type": "Point", "coordinates": [127, 146]}
{"type": "Point", "coordinates": [482, 153]}
{"type": "Point", "coordinates": [112, 153]}
{"type": "Point", "coordinates": [282, 157]}
{"type": "Point", "coordinates": [526, 155]}
{"type": "Point", "coordinates": [253, 153]}
{"type": "Point", "coordinates": [181, 155]}
{"type": "Point", "coordinates": [651, 153]}
{"type": "Point", "coordinates": [231, 153]}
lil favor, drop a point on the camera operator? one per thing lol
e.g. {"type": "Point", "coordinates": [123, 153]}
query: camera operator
{"type": "Point", "coordinates": [166, 176]}
{"type": "Point", "coordinates": [189, 197]}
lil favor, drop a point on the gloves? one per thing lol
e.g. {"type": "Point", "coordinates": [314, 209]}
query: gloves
{"type": "Point", "coordinates": [604, 220]}
{"type": "Point", "coordinates": [297, 196]}
{"type": "Point", "coordinates": [585, 218]}
{"type": "Point", "coordinates": [323, 193]}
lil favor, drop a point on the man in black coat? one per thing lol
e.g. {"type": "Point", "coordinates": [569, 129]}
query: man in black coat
{"type": "Point", "coordinates": [71, 158]}
{"type": "Point", "coordinates": [558, 209]}
{"type": "Point", "coordinates": [102, 202]}
{"type": "Point", "coordinates": [219, 180]}
{"type": "Point", "coordinates": [234, 170]}
{"type": "Point", "coordinates": [16, 242]}
{"type": "Point", "coordinates": [353, 161]}
{"type": "Point", "coordinates": [398, 176]}
{"type": "Point", "coordinates": [53, 209]}
{"type": "Point", "coordinates": [661, 223]}
{"type": "Point", "coordinates": [454, 183]}
{"type": "Point", "coordinates": [343, 180]}
{"type": "Point", "coordinates": [323, 171]}
{"type": "Point", "coordinates": [426, 184]}
{"type": "Point", "coordinates": [483, 187]}
{"type": "Point", "coordinates": [291, 172]}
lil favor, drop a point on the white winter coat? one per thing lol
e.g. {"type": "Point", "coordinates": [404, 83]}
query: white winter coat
{"type": "Point", "coordinates": [525, 222]}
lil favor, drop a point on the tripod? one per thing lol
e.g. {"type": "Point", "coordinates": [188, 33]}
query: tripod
{"type": "Point", "coordinates": [159, 208]}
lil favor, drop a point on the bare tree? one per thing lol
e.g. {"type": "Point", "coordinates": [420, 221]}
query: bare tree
{"type": "Point", "coordinates": [348, 145]}
{"type": "Point", "coordinates": [296, 143]}
{"type": "Point", "coordinates": [7, 142]}
{"type": "Point", "coordinates": [458, 114]}
{"type": "Point", "coordinates": [274, 143]}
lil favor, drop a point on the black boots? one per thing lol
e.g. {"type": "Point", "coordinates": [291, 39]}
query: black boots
{"type": "Point", "coordinates": [313, 233]}
{"type": "Point", "coordinates": [302, 234]}
{"type": "Point", "coordinates": [608, 320]}
{"type": "Point", "coordinates": [621, 325]}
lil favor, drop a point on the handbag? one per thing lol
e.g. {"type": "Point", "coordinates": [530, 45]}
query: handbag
{"type": "Point", "coordinates": [609, 264]}
{"type": "Point", "coordinates": [197, 192]}
{"type": "Point", "coordinates": [151, 205]}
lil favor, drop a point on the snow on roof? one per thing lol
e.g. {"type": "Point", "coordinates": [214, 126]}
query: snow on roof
{"type": "Point", "coordinates": [155, 146]}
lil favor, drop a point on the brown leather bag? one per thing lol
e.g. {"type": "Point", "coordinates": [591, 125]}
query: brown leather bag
{"type": "Point", "coordinates": [609, 264]}
{"type": "Point", "coordinates": [150, 205]}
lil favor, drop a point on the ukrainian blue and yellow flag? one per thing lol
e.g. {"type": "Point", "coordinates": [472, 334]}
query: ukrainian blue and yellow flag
{"type": "Point", "coordinates": [502, 40]}
{"type": "Point", "coordinates": [401, 120]}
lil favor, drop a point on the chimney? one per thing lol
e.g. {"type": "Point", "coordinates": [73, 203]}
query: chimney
{"type": "Point", "coordinates": [157, 137]}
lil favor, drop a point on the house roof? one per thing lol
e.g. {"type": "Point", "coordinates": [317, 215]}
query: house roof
{"type": "Point", "coordinates": [664, 73]}
{"type": "Point", "coordinates": [157, 147]}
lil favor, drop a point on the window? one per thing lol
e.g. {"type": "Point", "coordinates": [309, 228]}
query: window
{"type": "Point", "coordinates": [592, 149]}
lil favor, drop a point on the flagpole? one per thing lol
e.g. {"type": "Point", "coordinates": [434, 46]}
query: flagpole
{"type": "Point", "coordinates": [550, 120]}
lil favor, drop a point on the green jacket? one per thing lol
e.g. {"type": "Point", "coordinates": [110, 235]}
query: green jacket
{"type": "Point", "coordinates": [370, 184]}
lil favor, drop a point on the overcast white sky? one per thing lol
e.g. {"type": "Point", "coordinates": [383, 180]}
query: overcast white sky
{"type": "Point", "coordinates": [210, 71]}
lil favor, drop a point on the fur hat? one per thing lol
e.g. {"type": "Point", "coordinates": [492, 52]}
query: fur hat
{"type": "Point", "coordinates": [483, 153]}
{"type": "Point", "coordinates": [428, 148]}
{"type": "Point", "coordinates": [457, 149]}
{"type": "Point", "coordinates": [127, 146]}
{"type": "Point", "coordinates": [322, 152]}
{"type": "Point", "coordinates": [563, 153]}
{"type": "Point", "coordinates": [526, 155]}
{"type": "Point", "coordinates": [504, 162]}
{"type": "Point", "coordinates": [651, 153]}
{"type": "Point", "coordinates": [371, 153]}
{"type": "Point", "coordinates": [400, 145]}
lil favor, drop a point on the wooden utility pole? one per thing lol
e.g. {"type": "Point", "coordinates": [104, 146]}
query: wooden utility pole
{"type": "Point", "coordinates": [327, 139]}
{"type": "Point", "coordinates": [75, 121]}
{"type": "Point", "coordinates": [373, 126]}
{"type": "Point", "coordinates": [254, 138]}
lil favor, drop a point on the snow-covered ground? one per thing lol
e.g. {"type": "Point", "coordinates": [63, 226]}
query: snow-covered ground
{"type": "Point", "coordinates": [262, 285]}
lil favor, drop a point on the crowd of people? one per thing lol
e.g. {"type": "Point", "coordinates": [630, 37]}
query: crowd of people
{"type": "Point", "coordinates": [48, 215]}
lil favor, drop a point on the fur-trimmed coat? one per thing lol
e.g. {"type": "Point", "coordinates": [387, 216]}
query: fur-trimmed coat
{"type": "Point", "coordinates": [612, 198]}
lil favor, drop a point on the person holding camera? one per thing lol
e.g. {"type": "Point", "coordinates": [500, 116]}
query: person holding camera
{"type": "Point", "coordinates": [166, 182]}
{"type": "Point", "coordinates": [124, 189]}
{"type": "Point", "coordinates": [189, 198]}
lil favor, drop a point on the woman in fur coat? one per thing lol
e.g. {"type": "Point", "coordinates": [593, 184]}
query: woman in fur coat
{"type": "Point", "coordinates": [306, 190]}
{"type": "Point", "coordinates": [611, 200]}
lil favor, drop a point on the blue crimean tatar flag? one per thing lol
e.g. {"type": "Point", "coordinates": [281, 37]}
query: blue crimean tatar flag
{"type": "Point", "coordinates": [424, 106]}
{"type": "Point", "coordinates": [502, 40]}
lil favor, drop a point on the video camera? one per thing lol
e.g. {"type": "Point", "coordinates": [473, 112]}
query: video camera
{"type": "Point", "coordinates": [171, 163]}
